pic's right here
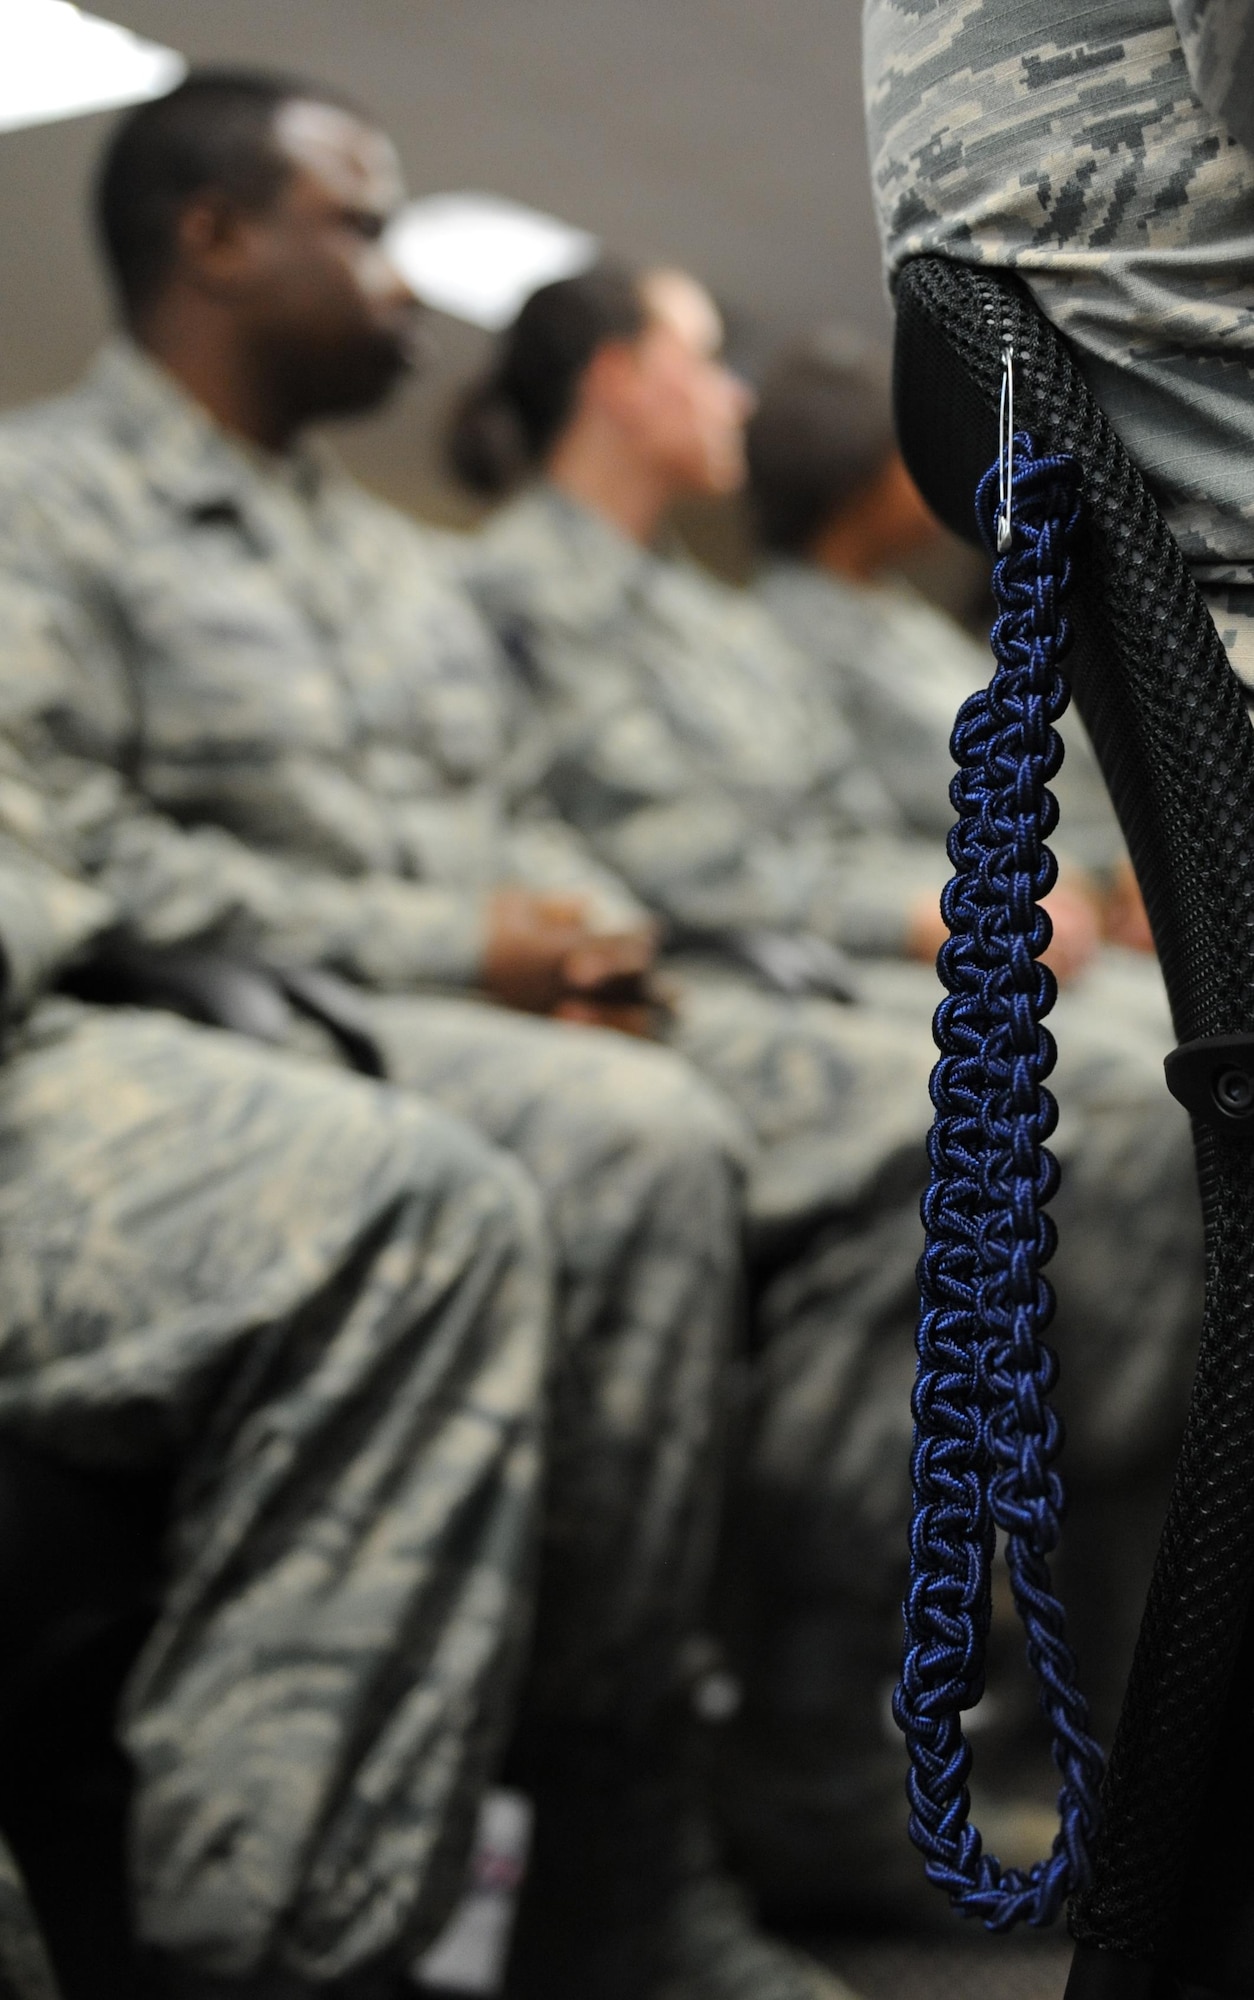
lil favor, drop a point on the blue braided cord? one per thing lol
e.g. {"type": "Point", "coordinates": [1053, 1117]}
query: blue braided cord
{"type": "Point", "coordinates": [985, 1435]}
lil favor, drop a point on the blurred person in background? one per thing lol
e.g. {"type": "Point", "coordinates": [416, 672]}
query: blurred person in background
{"type": "Point", "coordinates": [762, 811]}
{"type": "Point", "coordinates": [610, 386]}
{"type": "Point", "coordinates": [318, 1313]}
{"type": "Point", "coordinates": [271, 728]}
{"type": "Point", "coordinates": [290, 738]}
{"type": "Point", "coordinates": [835, 516]}
{"type": "Point", "coordinates": [708, 762]}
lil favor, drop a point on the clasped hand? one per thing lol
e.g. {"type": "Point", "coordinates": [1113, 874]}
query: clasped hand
{"type": "Point", "coordinates": [543, 957]}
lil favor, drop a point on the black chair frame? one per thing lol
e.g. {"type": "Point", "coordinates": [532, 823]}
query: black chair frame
{"type": "Point", "coordinates": [1171, 1905]}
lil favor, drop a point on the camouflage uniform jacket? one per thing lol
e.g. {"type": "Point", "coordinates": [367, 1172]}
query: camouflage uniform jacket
{"type": "Point", "coordinates": [280, 669]}
{"type": "Point", "coordinates": [900, 669]}
{"type": "Point", "coordinates": [46, 918]}
{"type": "Point", "coordinates": [1105, 153]}
{"type": "Point", "coordinates": [687, 743]}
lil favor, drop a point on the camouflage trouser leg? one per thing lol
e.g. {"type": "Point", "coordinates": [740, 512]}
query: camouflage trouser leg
{"type": "Point", "coordinates": [818, 1522]}
{"type": "Point", "coordinates": [810, 1575]}
{"type": "Point", "coordinates": [637, 1162]}
{"type": "Point", "coordinates": [25, 1973]}
{"type": "Point", "coordinates": [833, 1095]}
{"type": "Point", "coordinates": [328, 1305]}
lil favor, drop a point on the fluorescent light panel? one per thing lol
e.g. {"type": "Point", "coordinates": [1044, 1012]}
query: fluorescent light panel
{"type": "Point", "coordinates": [57, 62]}
{"type": "Point", "coordinates": [479, 256]}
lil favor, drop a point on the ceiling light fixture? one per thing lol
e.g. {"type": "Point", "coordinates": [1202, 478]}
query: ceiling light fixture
{"type": "Point", "coordinates": [479, 256]}
{"type": "Point", "coordinates": [57, 62]}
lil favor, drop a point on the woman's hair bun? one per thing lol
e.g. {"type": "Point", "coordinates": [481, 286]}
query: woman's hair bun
{"type": "Point", "coordinates": [487, 448]}
{"type": "Point", "coordinates": [506, 423]}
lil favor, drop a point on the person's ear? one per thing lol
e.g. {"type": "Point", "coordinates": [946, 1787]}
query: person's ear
{"type": "Point", "coordinates": [611, 379]}
{"type": "Point", "coordinates": [218, 243]}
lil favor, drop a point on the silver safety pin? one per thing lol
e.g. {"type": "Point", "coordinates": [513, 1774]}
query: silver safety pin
{"type": "Point", "coordinates": [1006, 450]}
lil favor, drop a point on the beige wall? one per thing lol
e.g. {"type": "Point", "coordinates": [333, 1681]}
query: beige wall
{"type": "Point", "coordinates": [724, 134]}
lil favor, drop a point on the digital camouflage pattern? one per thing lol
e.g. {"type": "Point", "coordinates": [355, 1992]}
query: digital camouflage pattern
{"type": "Point", "coordinates": [1103, 152]}
{"type": "Point", "coordinates": [328, 1306]}
{"type": "Point", "coordinates": [277, 664]}
{"type": "Point", "coordinates": [657, 683]}
{"type": "Point", "coordinates": [687, 745]}
{"type": "Point", "coordinates": [261, 715]}
{"type": "Point", "coordinates": [257, 714]}
{"type": "Point", "coordinates": [899, 669]}
{"type": "Point", "coordinates": [315, 1716]}
{"type": "Point", "coordinates": [260, 712]}
{"type": "Point", "coordinates": [272, 720]}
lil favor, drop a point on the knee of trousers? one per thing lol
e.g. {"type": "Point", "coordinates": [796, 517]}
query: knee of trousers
{"type": "Point", "coordinates": [646, 1109]}
{"type": "Point", "coordinates": [490, 1186]}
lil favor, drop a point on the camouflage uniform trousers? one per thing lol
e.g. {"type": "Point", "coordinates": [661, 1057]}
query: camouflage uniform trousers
{"type": "Point", "coordinates": [25, 1973]}
{"type": "Point", "coordinates": [834, 1102]}
{"type": "Point", "coordinates": [814, 1555]}
{"type": "Point", "coordinates": [640, 1165]}
{"type": "Point", "coordinates": [328, 1305]}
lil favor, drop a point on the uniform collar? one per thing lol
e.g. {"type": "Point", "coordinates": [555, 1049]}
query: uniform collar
{"type": "Point", "coordinates": [185, 454]}
{"type": "Point", "coordinates": [788, 576]}
{"type": "Point", "coordinates": [589, 542]}
{"type": "Point", "coordinates": [812, 602]}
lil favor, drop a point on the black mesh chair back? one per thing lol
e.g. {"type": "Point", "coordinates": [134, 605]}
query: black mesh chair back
{"type": "Point", "coordinates": [1171, 1905]}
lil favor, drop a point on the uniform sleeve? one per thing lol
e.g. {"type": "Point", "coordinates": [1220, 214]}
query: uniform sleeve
{"type": "Point", "coordinates": [65, 704]}
{"type": "Point", "coordinates": [688, 849]}
{"type": "Point", "coordinates": [542, 852]}
{"type": "Point", "coordinates": [694, 862]}
{"type": "Point", "coordinates": [46, 918]}
{"type": "Point", "coordinates": [1217, 37]}
{"type": "Point", "coordinates": [173, 885]}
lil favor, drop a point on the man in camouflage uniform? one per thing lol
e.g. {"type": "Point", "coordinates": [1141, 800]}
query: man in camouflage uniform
{"type": "Point", "coordinates": [287, 733]}
{"type": "Point", "coordinates": [708, 762]}
{"type": "Point", "coordinates": [1104, 153]}
{"type": "Point", "coordinates": [327, 1307]}
{"type": "Point", "coordinates": [269, 724]}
